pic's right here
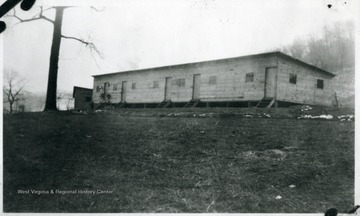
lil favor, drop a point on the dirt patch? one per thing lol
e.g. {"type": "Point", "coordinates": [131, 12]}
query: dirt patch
{"type": "Point", "coordinates": [268, 154]}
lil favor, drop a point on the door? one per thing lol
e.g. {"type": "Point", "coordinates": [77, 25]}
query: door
{"type": "Point", "coordinates": [196, 87]}
{"type": "Point", "coordinates": [270, 82]}
{"type": "Point", "coordinates": [123, 91]}
{"type": "Point", "coordinates": [167, 88]}
{"type": "Point", "coordinates": [105, 88]}
{"type": "Point", "coordinates": [106, 91]}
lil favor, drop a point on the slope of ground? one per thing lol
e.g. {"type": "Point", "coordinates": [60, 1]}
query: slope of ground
{"type": "Point", "coordinates": [162, 161]}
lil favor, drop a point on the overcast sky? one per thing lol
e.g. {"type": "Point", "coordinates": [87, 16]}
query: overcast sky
{"type": "Point", "coordinates": [138, 34]}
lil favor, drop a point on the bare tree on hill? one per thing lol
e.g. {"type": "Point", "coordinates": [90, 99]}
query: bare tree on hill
{"type": "Point", "coordinates": [50, 103]}
{"type": "Point", "coordinates": [297, 49]}
{"type": "Point", "coordinates": [13, 87]}
{"type": "Point", "coordinates": [333, 51]}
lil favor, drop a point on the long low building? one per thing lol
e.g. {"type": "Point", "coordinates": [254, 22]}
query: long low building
{"type": "Point", "coordinates": [266, 80]}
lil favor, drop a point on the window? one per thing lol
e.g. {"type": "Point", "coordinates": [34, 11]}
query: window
{"type": "Point", "coordinates": [156, 84]}
{"type": "Point", "coordinates": [320, 84]}
{"type": "Point", "coordinates": [181, 82]}
{"type": "Point", "coordinates": [178, 82]}
{"type": "Point", "coordinates": [133, 86]}
{"type": "Point", "coordinates": [115, 87]}
{"type": "Point", "coordinates": [212, 80]}
{"type": "Point", "coordinates": [97, 88]}
{"type": "Point", "coordinates": [87, 99]}
{"type": "Point", "coordinates": [249, 77]}
{"type": "Point", "coordinates": [292, 78]}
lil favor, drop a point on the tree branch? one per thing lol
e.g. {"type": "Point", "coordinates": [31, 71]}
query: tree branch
{"type": "Point", "coordinates": [74, 38]}
{"type": "Point", "coordinates": [89, 44]}
{"type": "Point", "coordinates": [38, 16]}
{"type": "Point", "coordinates": [97, 10]}
{"type": "Point", "coordinates": [18, 91]}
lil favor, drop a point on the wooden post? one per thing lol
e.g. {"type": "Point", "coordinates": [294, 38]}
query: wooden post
{"type": "Point", "coordinates": [336, 101]}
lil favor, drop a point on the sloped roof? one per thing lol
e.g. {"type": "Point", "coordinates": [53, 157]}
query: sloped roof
{"type": "Point", "coordinates": [80, 88]}
{"type": "Point", "coordinates": [268, 54]}
{"type": "Point", "coordinates": [304, 64]}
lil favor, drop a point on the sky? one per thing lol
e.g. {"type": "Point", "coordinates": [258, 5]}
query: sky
{"type": "Point", "coordinates": [135, 34]}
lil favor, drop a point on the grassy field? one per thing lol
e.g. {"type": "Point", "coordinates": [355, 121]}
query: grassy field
{"type": "Point", "coordinates": [173, 160]}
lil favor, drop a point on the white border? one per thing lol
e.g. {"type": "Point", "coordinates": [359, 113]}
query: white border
{"type": "Point", "coordinates": [114, 3]}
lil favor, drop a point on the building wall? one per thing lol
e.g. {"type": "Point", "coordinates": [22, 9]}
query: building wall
{"type": "Point", "coordinates": [305, 90]}
{"type": "Point", "coordinates": [229, 83]}
{"type": "Point", "coordinates": [220, 81]}
{"type": "Point", "coordinates": [83, 98]}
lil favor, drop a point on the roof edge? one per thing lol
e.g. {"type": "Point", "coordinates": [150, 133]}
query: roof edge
{"type": "Point", "coordinates": [275, 53]}
{"type": "Point", "coordinates": [78, 87]}
{"type": "Point", "coordinates": [305, 64]}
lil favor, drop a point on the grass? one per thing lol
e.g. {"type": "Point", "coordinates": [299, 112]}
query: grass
{"type": "Point", "coordinates": [153, 161]}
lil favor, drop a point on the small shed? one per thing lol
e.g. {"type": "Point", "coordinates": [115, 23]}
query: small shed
{"type": "Point", "coordinates": [262, 80]}
{"type": "Point", "coordinates": [82, 98]}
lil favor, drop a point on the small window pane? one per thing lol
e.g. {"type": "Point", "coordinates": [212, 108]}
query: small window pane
{"type": "Point", "coordinates": [87, 99]}
{"type": "Point", "coordinates": [249, 77]}
{"type": "Point", "coordinates": [181, 82]}
{"type": "Point", "coordinates": [178, 82]}
{"type": "Point", "coordinates": [97, 88]}
{"type": "Point", "coordinates": [292, 78]}
{"type": "Point", "coordinates": [115, 87]}
{"type": "Point", "coordinates": [320, 84]}
{"type": "Point", "coordinates": [133, 86]}
{"type": "Point", "coordinates": [212, 80]}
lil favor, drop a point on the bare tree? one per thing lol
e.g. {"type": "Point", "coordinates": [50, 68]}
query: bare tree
{"type": "Point", "coordinates": [13, 88]}
{"type": "Point", "coordinates": [65, 99]}
{"type": "Point", "coordinates": [50, 103]}
{"type": "Point", "coordinates": [297, 49]}
{"type": "Point", "coordinates": [333, 50]}
{"type": "Point", "coordinates": [21, 108]}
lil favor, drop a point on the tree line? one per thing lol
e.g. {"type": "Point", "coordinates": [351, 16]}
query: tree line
{"type": "Point", "coordinates": [332, 50]}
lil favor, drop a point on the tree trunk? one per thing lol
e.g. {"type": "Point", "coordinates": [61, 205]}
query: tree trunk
{"type": "Point", "coordinates": [50, 103]}
{"type": "Point", "coordinates": [11, 107]}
